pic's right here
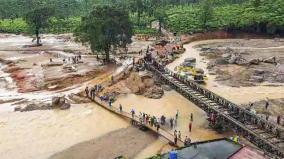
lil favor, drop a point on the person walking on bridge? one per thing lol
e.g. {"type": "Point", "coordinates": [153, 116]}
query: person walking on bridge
{"type": "Point", "coordinates": [120, 108]}
{"type": "Point", "coordinates": [171, 123]}
{"type": "Point", "coordinates": [109, 103]}
{"type": "Point", "coordinates": [189, 126]}
{"type": "Point", "coordinates": [266, 103]}
{"type": "Point", "coordinates": [87, 91]}
{"type": "Point", "coordinates": [132, 113]}
{"type": "Point", "coordinates": [158, 127]}
{"type": "Point", "coordinates": [177, 114]}
{"type": "Point", "coordinates": [278, 119]}
{"type": "Point", "coordinates": [179, 134]}
{"type": "Point", "coordinates": [191, 117]}
{"type": "Point", "coordinates": [175, 139]}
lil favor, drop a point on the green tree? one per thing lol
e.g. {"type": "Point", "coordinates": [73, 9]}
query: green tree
{"type": "Point", "coordinates": [104, 28]}
{"type": "Point", "coordinates": [206, 12]}
{"type": "Point", "coordinates": [38, 19]}
{"type": "Point", "coordinates": [160, 15]}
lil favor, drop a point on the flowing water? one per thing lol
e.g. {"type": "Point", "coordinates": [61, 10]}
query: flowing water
{"type": "Point", "coordinates": [168, 106]}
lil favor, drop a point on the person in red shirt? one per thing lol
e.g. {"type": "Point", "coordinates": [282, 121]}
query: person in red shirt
{"type": "Point", "coordinates": [189, 126]}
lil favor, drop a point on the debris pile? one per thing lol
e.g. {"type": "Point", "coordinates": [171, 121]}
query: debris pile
{"type": "Point", "coordinates": [144, 84]}
{"type": "Point", "coordinates": [57, 103]}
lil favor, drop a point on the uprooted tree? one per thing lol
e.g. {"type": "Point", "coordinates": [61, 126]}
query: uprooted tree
{"type": "Point", "coordinates": [38, 19]}
{"type": "Point", "coordinates": [106, 27]}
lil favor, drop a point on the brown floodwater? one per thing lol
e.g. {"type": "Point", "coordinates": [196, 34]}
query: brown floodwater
{"type": "Point", "coordinates": [40, 134]}
{"type": "Point", "coordinates": [168, 106]}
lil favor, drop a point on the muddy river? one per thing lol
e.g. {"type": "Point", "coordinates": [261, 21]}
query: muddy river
{"type": "Point", "coordinates": [40, 134]}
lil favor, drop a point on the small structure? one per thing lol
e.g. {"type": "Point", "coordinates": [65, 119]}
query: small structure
{"type": "Point", "coordinates": [215, 149]}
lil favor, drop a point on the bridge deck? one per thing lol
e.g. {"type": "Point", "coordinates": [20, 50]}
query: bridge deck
{"type": "Point", "coordinates": [267, 136]}
{"type": "Point", "coordinates": [162, 132]}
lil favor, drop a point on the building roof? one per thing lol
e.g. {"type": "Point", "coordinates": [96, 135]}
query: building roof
{"type": "Point", "coordinates": [248, 153]}
{"type": "Point", "coordinates": [213, 149]}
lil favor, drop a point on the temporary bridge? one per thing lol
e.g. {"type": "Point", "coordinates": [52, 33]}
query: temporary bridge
{"type": "Point", "coordinates": [266, 135]}
{"type": "Point", "coordinates": [135, 119]}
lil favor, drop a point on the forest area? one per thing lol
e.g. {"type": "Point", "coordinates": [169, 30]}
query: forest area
{"type": "Point", "coordinates": [181, 16]}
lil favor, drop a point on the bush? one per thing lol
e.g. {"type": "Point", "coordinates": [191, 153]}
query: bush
{"type": "Point", "coordinates": [13, 26]}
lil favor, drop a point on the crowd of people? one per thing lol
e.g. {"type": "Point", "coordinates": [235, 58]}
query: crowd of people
{"type": "Point", "coordinates": [158, 122]}
{"type": "Point", "coordinates": [74, 59]}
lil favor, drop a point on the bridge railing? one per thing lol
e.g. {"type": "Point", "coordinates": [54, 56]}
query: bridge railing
{"type": "Point", "coordinates": [232, 107]}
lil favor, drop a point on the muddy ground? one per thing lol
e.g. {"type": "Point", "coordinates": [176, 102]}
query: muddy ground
{"type": "Point", "coordinates": [32, 70]}
{"type": "Point", "coordinates": [249, 63]}
{"type": "Point", "coordinates": [246, 62]}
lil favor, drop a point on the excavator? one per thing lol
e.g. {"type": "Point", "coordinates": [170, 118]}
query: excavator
{"type": "Point", "coordinates": [188, 69]}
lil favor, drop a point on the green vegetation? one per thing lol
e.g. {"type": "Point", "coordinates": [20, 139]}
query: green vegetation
{"type": "Point", "coordinates": [38, 19]}
{"type": "Point", "coordinates": [104, 29]}
{"type": "Point", "coordinates": [13, 26]}
{"type": "Point", "coordinates": [267, 17]}
{"type": "Point", "coordinates": [182, 16]}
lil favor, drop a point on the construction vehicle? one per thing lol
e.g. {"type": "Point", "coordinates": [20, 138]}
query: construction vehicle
{"type": "Point", "coordinates": [187, 69]}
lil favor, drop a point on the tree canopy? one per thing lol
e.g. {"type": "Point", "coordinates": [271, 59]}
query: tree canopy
{"type": "Point", "coordinates": [105, 28]}
{"type": "Point", "coordinates": [38, 19]}
{"type": "Point", "coordinates": [182, 16]}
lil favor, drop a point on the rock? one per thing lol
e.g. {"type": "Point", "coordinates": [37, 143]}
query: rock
{"type": "Point", "coordinates": [190, 60]}
{"type": "Point", "coordinates": [65, 106]}
{"type": "Point", "coordinates": [258, 72]}
{"type": "Point", "coordinates": [33, 106]}
{"type": "Point", "coordinates": [227, 56]}
{"type": "Point", "coordinates": [271, 60]}
{"type": "Point", "coordinates": [61, 101]}
{"type": "Point", "coordinates": [280, 69]}
{"type": "Point", "coordinates": [258, 79]}
{"type": "Point", "coordinates": [55, 100]}
{"type": "Point", "coordinates": [7, 62]}
{"type": "Point", "coordinates": [18, 108]}
{"type": "Point", "coordinates": [254, 62]}
{"type": "Point", "coordinates": [154, 92]}
{"type": "Point", "coordinates": [229, 50]}
{"type": "Point", "coordinates": [236, 59]}
{"type": "Point", "coordinates": [166, 87]}
{"type": "Point", "coordinates": [78, 99]}
{"type": "Point", "coordinates": [221, 61]}
{"type": "Point", "coordinates": [205, 49]}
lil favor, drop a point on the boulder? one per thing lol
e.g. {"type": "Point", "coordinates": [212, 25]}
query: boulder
{"type": "Point", "coordinates": [55, 100]}
{"type": "Point", "coordinates": [280, 69]}
{"type": "Point", "coordinates": [166, 87]}
{"type": "Point", "coordinates": [220, 61]}
{"type": "Point", "coordinates": [254, 62]}
{"type": "Point", "coordinates": [78, 99]}
{"type": "Point", "coordinates": [65, 106]}
{"type": "Point", "coordinates": [226, 56]}
{"type": "Point", "coordinates": [33, 106]}
{"type": "Point", "coordinates": [258, 79]}
{"type": "Point", "coordinates": [154, 92]}
{"type": "Point", "coordinates": [17, 108]}
{"type": "Point", "coordinates": [258, 72]}
{"type": "Point", "coordinates": [271, 60]}
{"type": "Point", "coordinates": [7, 62]}
{"type": "Point", "coordinates": [229, 50]}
